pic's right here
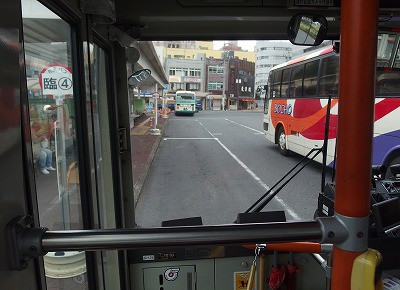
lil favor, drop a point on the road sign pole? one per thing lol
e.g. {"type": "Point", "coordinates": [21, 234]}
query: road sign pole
{"type": "Point", "coordinates": [156, 107]}
{"type": "Point", "coordinates": [155, 131]}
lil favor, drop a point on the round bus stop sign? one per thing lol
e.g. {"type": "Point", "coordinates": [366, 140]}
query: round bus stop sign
{"type": "Point", "coordinates": [56, 80]}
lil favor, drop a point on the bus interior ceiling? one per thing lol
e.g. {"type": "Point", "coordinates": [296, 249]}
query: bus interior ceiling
{"type": "Point", "coordinates": [227, 20]}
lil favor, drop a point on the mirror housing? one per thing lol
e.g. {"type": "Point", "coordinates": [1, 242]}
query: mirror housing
{"type": "Point", "coordinates": [307, 29]}
{"type": "Point", "coordinates": [139, 76]}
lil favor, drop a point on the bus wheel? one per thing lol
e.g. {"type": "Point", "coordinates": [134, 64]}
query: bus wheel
{"type": "Point", "coordinates": [282, 142]}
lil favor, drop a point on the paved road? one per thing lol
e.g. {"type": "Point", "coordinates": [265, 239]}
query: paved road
{"type": "Point", "coordinates": [217, 164]}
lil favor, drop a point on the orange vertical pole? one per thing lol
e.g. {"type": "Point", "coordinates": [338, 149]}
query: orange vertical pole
{"type": "Point", "coordinates": [358, 45]}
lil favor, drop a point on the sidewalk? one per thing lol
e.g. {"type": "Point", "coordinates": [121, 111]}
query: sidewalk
{"type": "Point", "coordinates": [144, 147]}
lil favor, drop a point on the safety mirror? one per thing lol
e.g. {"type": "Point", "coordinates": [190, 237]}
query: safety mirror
{"type": "Point", "coordinates": [139, 76]}
{"type": "Point", "coordinates": [307, 30]}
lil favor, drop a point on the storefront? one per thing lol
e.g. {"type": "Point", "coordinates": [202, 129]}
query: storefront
{"type": "Point", "coordinates": [246, 103]}
{"type": "Point", "coordinates": [214, 102]}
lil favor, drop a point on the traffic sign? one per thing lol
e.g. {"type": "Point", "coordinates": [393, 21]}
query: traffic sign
{"type": "Point", "coordinates": [156, 95]}
{"type": "Point", "coordinates": [56, 80]}
{"type": "Point", "coordinates": [166, 87]}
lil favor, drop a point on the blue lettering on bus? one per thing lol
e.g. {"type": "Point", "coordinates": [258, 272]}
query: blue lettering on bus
{"type": "Point", "coordinates": [282, 109]}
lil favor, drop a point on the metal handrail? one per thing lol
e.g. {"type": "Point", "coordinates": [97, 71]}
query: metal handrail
{"type": "Point", "coordinates": [25, 242]}
{"type": "Point", "coordinates": [89, 240]}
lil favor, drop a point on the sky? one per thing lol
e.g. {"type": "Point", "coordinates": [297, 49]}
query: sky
{"type": "Point", "coordinates": [245, 44]}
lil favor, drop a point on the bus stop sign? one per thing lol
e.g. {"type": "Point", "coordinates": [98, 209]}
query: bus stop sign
{"type": "Point", "coordinates": [56, 80]}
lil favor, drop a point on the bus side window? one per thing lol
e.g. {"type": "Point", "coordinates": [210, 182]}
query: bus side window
{"type": "Point", "coordinates": [271, 85]}
{"type": "Point", "coordinates": [311, 79]}
{"type": "Point", "coordinates": [285, 83]}
{"type": "Point", "coordinates": [277, 84]}
{"type": "Point", "coordinates": [329, 76]}
{"type": "Point", "coordinates": [388, 83]}
{"type": "Point", "coordinates": [296, 81]}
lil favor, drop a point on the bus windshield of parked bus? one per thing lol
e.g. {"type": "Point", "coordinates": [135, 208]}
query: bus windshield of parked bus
{"type": "Point", "coordinates": [185, 97]}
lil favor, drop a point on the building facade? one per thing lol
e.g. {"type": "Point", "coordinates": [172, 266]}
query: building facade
{"type": "Point", "coordinates": [216, 81]}
{"type": "Point", "coordinates": [268, 55]}
{"type": "Point", "coordinates": [186, 74]}
{"type": "Point", "coordinates": [222, 79]}
{"type": "Point", "coordinates": [230, 83]}
{"type": "Point", "coordinates": [188, 50]}
{"type": "Point", "coordinates": [241, 82]}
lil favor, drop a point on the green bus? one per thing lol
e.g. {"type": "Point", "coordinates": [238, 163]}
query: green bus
{"type": "Point", "coordinates": [185, 103]}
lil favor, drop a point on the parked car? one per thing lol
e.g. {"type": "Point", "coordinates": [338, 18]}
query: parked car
{"type": "Point", "coordinates": [199, 106]}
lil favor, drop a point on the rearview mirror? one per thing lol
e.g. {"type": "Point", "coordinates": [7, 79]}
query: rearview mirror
{"type": "Point", "coordinates": [308, 30]}
{"type": "Point", "coordinates": [139, 76]}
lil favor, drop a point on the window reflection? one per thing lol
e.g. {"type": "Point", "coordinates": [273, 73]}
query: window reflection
{"type": "Point", "coordinates": [47, 43]}
{"type": "Point", "coordinates": [104, 175]}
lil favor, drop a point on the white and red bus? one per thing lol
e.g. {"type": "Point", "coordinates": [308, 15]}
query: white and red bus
{"type": "Point", "coordinates": [297, 97]}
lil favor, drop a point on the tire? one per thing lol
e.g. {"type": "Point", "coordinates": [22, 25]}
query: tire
{"type": "Point", "coordinates": [282, 142]}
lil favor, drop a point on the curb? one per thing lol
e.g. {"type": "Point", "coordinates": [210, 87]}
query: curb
{"type": "Point", "coordinates": [142, 177]}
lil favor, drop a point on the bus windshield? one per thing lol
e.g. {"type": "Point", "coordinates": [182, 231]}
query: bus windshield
{"type": "Point", "coordinates": [184, 97]}
{"type": "Point", "coordinates": [217, 164]}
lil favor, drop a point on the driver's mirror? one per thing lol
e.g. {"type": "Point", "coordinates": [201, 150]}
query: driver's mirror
{"type": "Point", "coordinates": [139, 76]}
{"type": "Point", "coordinates": [308, 30]}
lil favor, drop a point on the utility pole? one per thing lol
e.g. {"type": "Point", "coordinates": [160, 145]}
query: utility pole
{"type": "Point", "coordinates": [224, 79]}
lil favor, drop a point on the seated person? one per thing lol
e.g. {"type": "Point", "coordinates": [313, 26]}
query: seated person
{"type": "Point", "coordinates": [40, 145]}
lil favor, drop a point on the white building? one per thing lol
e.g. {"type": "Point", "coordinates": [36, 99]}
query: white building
{"type": "Point", "coordinates": [269, 54]}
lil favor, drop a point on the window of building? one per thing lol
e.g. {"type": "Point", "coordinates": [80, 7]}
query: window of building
{"type": "Point", "coordinates": [194, 72]}
{"type": "Point", "coordinates": [193, 87]}
{"type": "Point", "coordinates": [182, 72]}
{"type": "Point", "coordinates": [215, 86]}
{"type": "Point", "coordinates": [177, 86]}
{"type": "Point", "coordinates": [215, 69]}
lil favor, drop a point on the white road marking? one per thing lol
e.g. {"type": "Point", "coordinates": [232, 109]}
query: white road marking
{"type": "Point", "coordinates": [190, 139]}
{"type": "Point", "coordinates": [289, 210]}
{"type": "Point", "coordinates": [247, 127]}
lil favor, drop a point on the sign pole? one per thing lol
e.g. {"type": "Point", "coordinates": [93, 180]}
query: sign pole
{"type": "Point", "coordinates": [155, 131]}
{"type": "Point", "coordinates": [155, 108]}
